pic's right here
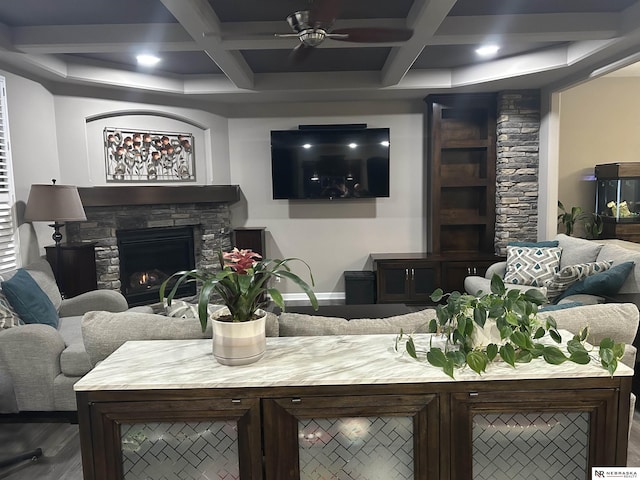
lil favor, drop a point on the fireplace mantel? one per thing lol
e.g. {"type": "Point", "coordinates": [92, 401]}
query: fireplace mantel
{"type": "Point", "coordinates": [157, 194]}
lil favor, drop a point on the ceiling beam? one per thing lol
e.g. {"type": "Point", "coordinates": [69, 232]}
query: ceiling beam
{"type": "Point", "coordinates": [424, 19]}
{"type": "Point", "coordinates": [546, 27]}
{"type": "Point", "coordinates": [159, 37]}
{"type": "Point", "coordinates": [77, 39]}
{"type": "Point", "coordinates": [200, 21]}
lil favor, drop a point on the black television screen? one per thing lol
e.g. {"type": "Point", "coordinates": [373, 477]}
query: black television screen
{"type": "Point", "coordinates": [330, 163]}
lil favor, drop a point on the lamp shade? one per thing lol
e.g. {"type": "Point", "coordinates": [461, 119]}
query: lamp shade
{"type": "Point", "coordinates": [57, 203]}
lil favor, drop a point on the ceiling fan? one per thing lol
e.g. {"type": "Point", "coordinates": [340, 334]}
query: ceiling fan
{"type": "Point", "coordinates": [314, 26]}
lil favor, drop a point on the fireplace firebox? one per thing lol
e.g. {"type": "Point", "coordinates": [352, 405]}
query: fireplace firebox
{"type": "Point", "coordinates": [149, 256]}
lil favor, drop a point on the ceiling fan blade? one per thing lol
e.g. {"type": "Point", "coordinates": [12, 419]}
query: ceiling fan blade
{"type": "Point", "coordinates": [324, 12]}
{"type": "Point", "coordinates": [372, 35]}
{"type": "Point", "coordinates": [299, 54]}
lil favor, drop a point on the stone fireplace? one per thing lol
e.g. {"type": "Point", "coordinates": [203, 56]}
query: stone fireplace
{"type": "Point", "coordinates": [148, 256]}
{"type": "Point", "coordinates": [205, 210]}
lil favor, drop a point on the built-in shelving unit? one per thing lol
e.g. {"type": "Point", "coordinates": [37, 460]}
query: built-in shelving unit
{"type": "Point", "coordinates": [461, 136]}
{"type": "Point", "coordinates": [461, 198]}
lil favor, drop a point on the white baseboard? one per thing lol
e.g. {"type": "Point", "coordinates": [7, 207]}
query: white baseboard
{"type": "Point", "coordinates": [302, 299]}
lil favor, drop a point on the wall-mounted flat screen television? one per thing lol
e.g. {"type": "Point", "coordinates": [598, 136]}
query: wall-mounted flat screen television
{"type": "Point", "coordinates": [330, 163]}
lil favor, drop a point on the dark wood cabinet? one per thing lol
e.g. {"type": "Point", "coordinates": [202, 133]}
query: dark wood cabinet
{"type": "Point", "coordinates": [405, 278]}
{"type": "Point", "coordinates": [345, 407]}
{"type": "Point", "coordinates": [456, 270]}
{"type": "Point", "coordinates": [558, 428]}
{"type": "Point", "coordinates": [412, 277]}
{"type": "Point", "coordinates": [250, 238]}
{"type": "Point", "coordinates": [74, 265]}
{"type": "Point", "coordinates": [461, 168]}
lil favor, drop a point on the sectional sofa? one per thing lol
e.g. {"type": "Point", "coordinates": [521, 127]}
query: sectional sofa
{"type": "Point", "coordinates": [577, 251]}
{"type": "Point", "coordinates": [59, 357]}
{"type": "Point", "coordinates": [39, 363]}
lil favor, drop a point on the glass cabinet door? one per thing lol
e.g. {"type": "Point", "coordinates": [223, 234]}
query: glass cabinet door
{"type": "Point", "coordinates": [520, 436]}
{"type": "Point", "coordinates": [381, 437]}
{"type": "Point", "coordinates": [199, 439]}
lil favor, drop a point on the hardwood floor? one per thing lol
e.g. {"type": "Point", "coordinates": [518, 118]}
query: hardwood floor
{"type": "Point", "coordinates": [61, 447]}
{"type": "Point", "coordinates": [60, 444]}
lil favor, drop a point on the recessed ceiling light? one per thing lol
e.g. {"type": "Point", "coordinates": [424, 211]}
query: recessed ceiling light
{"type": "Point", "coordinates": [147, 60]}
{"type": "Point", "coordinates": [487, 50]}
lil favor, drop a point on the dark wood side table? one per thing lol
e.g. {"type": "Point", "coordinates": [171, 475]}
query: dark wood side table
{"type": "Point", "coordinates": [635, 299]}
{"type": "Point", "coordinates": [251, 238]}
{"type": "Point", "coordinates": [74, 265]}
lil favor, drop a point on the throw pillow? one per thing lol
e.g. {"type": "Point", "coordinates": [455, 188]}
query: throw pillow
{"type": "Point", "coordinates": [561, 306]}
{"type": "Point", "coordinates": [28, 299]}
{"type": "Point", "coordinates": [570, 274]}
{"type": "Point", "coordinates": [547, 243]}
{"type": "Point", "coordinates": [531, 265]}
{"type": "Point", "coordinates": [578, 250]}
{"type": "Point", "coordinates": [182, 309]}
{"type": "Point", "coordinates": [604, 283]}
{"type": "Point", "coordinates": [8, 317]}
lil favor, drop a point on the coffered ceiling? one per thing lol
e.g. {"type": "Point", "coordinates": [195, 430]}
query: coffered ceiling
{"type": "Point", "coordinates": [226, 51]}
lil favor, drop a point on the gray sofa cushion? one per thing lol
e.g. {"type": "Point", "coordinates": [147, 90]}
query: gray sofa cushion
{"type": "Point", "coordinates": [475, 284]}
{"type": "Point", "coordinates": [297, 324]}
{"type": "Point", "coordinates": [104, 332]}
{"type": "Point", "coordinates": [619, 321]}
{"type": "Point", "coordinates": [577, 250]}
{"type": "Point", "coordinates": [74, 359]}
{"type": "Point", "coordinates": [41, 272]}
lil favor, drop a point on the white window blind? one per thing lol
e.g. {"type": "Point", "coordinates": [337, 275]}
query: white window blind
{"type": "Point", "coordinates": [8, 257]}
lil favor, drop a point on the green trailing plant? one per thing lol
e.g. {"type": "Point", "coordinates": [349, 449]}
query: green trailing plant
{"type": "Point", "coordinates": [241, 283]}
{"type": "Point", "coordinates": [503, 325]}
{"type": "Point", "coordinates": [591, 222]}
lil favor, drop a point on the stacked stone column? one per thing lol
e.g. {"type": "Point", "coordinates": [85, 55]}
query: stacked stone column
{"type": "Point", "coordinates": [517, 149]}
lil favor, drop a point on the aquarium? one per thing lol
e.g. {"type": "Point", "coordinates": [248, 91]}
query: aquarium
{"type": "Point", "coordinates": [618, 192]}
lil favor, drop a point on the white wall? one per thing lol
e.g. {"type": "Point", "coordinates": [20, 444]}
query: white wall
{"type": "Point", "coordinates": [332, 236]}
{"type": "Point", "coordinates": [52, 139]}
{"type": "Point", "coordinates": [599, 123]}
{"type": "Point", "coordinates": [81, 150]}
{"type": "Point", "coordinates": [34, 147]}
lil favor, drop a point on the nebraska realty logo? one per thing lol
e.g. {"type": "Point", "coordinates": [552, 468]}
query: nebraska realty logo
{"type": "Point", "coordinates": [615, 472]}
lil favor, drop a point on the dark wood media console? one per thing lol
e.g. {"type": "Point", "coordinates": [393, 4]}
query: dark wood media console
{"type": "Point", "coordinates": [344, 407]}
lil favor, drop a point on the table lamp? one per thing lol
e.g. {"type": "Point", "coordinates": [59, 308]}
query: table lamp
{"type": "Point", "coordinates": [57, 203]}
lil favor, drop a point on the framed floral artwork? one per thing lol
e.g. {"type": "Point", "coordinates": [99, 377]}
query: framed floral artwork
{"type": "Point", "coordinates": [143, 156]}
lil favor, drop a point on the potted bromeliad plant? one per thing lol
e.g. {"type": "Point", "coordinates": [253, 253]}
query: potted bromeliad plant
{"type": "Point", "coordinates": [243, 285]}
{"type": "Point", "coordinates": [503, 325]}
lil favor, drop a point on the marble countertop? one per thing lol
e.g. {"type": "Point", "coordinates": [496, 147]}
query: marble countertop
{"type": "Point", "coordinates": [301, 361]}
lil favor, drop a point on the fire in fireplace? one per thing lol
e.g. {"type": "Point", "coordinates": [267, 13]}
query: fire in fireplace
{"type": "Point", "coordinates": [149, 256]}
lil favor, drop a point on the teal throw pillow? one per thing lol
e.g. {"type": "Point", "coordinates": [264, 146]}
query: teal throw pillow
{"type": "Point", "coordinates": [547, 243]}
{"type": "Point", "coordinates": [560, 306]}
{"type": "Point", "coordinates": [29, 300]}
{"type": "Point", "coordinates": [601, 284]}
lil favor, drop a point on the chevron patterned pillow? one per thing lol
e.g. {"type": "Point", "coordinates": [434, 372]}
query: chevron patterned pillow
{"type": "Point", "coordinates": [8, 317]}
{"type": "Point", "coordinates": [571, 274]}
{"type": "Point", "coordinates": [533, 266]}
